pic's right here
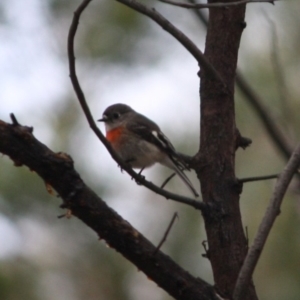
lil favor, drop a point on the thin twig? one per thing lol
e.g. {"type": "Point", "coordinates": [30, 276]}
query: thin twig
{"type": "Point", "coordinates": [164, 238]}
{"type": "Point", "coordinates": [167, 180]}
{"type": "Point", "coordinates": [178, 35]}
{"type": "Point", "coordinates": [258, 178]}
{"type": "Point", "coordinates": [200, 14]}
{"type": "Point", "coordinates": [267, 119]}
{"type": "Point", "coordinates": [16, 123]}
{"type": "Point", "coordinates": [81, 98]}
{"type": "Point", "coordinates": [266, 225]}
{"type": "Point", "coordinates": [214, 5]}
{"type": "Point", "coordinates": [14, 120]}
{"type": "Point", "coordinates": [278, 67]}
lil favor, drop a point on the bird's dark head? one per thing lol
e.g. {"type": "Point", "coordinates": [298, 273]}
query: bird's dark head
{"type": "Point", "coordinates": [114, 115]}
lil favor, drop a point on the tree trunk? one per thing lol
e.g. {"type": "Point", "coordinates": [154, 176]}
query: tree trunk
{"type": "Point", "coordinates": [216, 159]}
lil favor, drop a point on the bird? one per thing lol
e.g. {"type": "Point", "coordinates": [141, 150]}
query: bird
{"type": "Point", "coordinates": [140, 142]}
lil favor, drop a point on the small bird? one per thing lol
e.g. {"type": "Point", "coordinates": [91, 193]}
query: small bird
{"type": "Point", "coordinates": [140, 142]}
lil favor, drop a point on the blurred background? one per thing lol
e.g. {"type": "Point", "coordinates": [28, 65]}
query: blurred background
{"type": "Point", "coordinates": [124, 57]}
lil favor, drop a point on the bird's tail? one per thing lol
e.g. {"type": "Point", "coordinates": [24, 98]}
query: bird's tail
{"type": "Point", "coordinates": [185, 179]}
{"type": "Point", "coordinates": [175, 163]}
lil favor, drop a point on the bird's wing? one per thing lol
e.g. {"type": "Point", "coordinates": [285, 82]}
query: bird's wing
{"type": "Point", "coordinates": [149, 131]}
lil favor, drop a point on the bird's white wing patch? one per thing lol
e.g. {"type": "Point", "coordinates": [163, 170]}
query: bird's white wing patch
{"type": "Point", "coordinates": [163, 140]}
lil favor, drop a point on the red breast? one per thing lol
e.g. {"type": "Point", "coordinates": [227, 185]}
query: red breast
{"type": "Point", "coordinates": [113, 135]}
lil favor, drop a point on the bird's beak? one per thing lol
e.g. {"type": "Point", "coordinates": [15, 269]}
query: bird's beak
{"type": "Point", "coordinates": [104, 119]}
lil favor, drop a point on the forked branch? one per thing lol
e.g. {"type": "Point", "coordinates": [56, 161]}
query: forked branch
{"type": "Point", "coordinates": [57, 170]}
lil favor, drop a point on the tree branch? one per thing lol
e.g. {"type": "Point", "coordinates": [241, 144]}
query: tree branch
{"type": "Point", "coordinates": [280, 139]}
{"type": "Point", "coordinates": [265, 227]}
{"type": "Point", "coordinates": [257, 178]}
{"type": "Point", "coordinates": [57, 170]}
{"type": "Point", "coordinates": [218, 142]}
{"type": "Point", "coordinates": [214, 5]}
{"type": "Point", "coordinates": [178, 35]}
{"type": "Point", "coordinates": [278, 67]}
{"type": "Point", "coordinates": [81, 98]}
{"type": "Point", "coordinates": [164, 238]}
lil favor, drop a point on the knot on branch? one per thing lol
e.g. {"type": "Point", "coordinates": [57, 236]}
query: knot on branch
{"type": "Point", "coordinates": [15, 123]}
{"type": "Point", "coordinates": [241, 141]}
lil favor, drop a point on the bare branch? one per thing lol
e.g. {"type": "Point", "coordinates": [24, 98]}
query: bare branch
{"type": "Point", "coordinates": [278, 67]}
{"type": "Point", "coordinates": [178, 35]}
{"type": "Point", "coordinates": [200, 14]}
{"type": "Point", "coordinates": [265, 227]}
{"type": "Point", "coordinates": [81, 98]}
{"type": "Point", "coordinates": [270, 123]}
{"type": "Point", "coordinates": [164, 238]}
{"type": "Point", "coordinates": [167, 180]}
{"type": "Point", "coordinates": [214, 5]}
{"type": "Point", "coordinates": [258, 178]}
{"type": "Point", "coordinates": [57, 169]}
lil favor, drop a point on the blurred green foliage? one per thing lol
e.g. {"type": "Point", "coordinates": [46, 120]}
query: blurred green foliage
{"type": "Point", "coordinates": [62, 259]}
{"type": "Point", "coordinates": [110, 32]}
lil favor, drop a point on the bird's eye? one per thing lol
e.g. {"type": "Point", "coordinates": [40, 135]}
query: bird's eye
{"type": "Point", "coordinates": [116, 116]}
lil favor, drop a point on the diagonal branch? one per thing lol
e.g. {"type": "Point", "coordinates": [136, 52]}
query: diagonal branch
{"type": "Point", "coordinates": [214, 5]}
{"type": "Point", "coordinates": [265, 227]}
{"type": "Point", "coordinates": [178, 35]}
{"type": "Point", "coordinates": [164, 238]}
{"type": "Point", "coordinates": [280, 139]}
{"type": "Point", "coordinates": [278, 67]}
{"type": "Point", "coordinates": [81, 98]}
{"type": "Point", "coordinates": [57, 170]}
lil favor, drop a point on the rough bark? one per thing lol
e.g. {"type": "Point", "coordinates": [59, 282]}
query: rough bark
{"type": "Point", "coordinates": [57, 169]}
{"type": "Point", "coordinates": [215, 161]}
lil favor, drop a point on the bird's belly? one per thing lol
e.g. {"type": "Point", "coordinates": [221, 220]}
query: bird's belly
{"type": "Point", "coordinates": [140, 154]}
